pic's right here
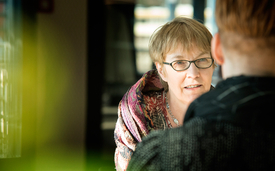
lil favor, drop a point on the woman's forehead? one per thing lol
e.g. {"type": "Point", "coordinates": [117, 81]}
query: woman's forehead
{"type": "Point", "coordinates": [182, 51]}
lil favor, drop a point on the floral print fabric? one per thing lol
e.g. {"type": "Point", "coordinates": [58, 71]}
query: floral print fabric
{"type": "Point", "coordinates": [141, 110]}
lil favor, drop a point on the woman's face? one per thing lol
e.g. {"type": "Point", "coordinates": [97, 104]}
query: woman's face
{"type": "Point", "coordinates": [189, 84]}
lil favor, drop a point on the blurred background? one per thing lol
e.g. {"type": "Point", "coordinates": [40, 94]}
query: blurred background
{"type": "Point", "coordinates": [64, 67]}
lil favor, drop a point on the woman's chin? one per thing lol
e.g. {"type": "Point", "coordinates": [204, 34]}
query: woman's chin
{"type": "Point", "coordinates": [190, 97]}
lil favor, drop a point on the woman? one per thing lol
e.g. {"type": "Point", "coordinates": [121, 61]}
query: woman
{"type": "Point", "coordinates": [181, 52]}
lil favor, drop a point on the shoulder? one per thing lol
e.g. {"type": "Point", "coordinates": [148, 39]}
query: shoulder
{"type": "Point", "coordinates": [163, 149]}
{"type": "Point", "coordinates": [199, 143]}
{"type": "Point", "coordinates": [189, 146]}
{"type": "Point", "coordinates": [147, 154]}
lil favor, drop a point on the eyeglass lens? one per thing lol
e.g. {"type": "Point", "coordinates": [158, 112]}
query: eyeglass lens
{"type": "Point", "coordinates": [200, 63]}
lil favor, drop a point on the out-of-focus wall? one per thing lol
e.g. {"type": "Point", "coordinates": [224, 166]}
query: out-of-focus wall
{"type": "Point", "coordinates": [62, 52]}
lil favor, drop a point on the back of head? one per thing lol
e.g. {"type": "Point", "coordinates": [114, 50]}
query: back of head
{"type": "Point", "coordinates": [252, 18]}
{"type": "Point", "coordinates": [247, 27]}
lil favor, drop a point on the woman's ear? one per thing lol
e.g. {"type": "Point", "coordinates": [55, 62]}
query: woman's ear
{"type": "Point", "coordinates": [216, 49]}
{"type": "Point", "coordinates": [161, 71]}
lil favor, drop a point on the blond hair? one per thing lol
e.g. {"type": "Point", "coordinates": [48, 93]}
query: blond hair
{"type": "Point", "coordinates": [183, 31]}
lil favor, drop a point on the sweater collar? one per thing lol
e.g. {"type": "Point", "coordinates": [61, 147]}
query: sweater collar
{"type": "Point", "coordinates": [268, 81]}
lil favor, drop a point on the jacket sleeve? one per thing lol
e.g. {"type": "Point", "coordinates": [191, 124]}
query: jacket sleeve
{"type": "Point", "coordinates": [147, 156]}
{"type": "Point", "coordinates": [125, 143]}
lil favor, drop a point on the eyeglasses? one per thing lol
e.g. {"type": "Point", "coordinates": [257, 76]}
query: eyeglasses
{"type": "Point", "coordinates": [181, 65]}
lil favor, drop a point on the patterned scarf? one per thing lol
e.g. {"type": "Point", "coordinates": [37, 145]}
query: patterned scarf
{"type": "Point", "coordinates": [132, 105]}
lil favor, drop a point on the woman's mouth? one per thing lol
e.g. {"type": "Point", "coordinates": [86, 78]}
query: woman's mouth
{"type": "Point", "coordinates": [193, 86]}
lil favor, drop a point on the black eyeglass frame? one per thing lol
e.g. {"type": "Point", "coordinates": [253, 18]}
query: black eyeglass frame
{"type": "Point", "coordinates": [167, 63]}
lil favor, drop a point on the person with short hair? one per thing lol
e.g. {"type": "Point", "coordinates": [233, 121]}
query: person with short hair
{"type": "Point", "coordinates": [231, 127]}
{"type": "Point", "coordinates": [180, 49]}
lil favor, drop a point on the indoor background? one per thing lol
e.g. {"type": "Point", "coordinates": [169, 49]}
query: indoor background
{"type": "Point", "coordinates": [64, 67]}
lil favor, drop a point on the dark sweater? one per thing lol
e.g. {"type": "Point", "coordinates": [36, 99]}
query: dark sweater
{"type": "Point", "coordinates": [229, 128]}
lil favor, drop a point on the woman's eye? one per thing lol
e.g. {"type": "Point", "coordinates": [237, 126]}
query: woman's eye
{"type": "Point", "coordinates": [202, 60]}
{"type": "Point", "coordinates": [180, 62]}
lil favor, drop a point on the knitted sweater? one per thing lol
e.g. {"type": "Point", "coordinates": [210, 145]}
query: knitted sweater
{"type": "Point", "coordinates": [229, 128]}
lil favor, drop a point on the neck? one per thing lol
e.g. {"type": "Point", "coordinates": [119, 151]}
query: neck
{"type": "Point", "coordinates": [177, 107]}
{"type": "Point", "coordinates": [260, 67]}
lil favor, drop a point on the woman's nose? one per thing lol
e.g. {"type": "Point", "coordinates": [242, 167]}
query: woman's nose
{"type": "Point", "coordinates": [193, 71]}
